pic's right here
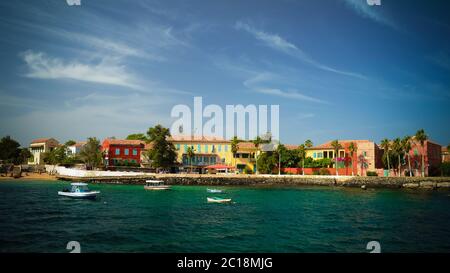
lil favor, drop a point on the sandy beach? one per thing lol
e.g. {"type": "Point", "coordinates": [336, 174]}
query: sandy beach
{"type": "Point", "coordinates": [30, 176]}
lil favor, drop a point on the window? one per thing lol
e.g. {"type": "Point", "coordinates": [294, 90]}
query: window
{"type": "Point", "coordinates": [226, 148]}
{"type": "Point", "coordinates": [127, 151]}
{"type": "Point", "coordinates": [178, 146]}
{"type": "Point", "coordinates": [330, 154]}
{"type": "Point", "coordinates": [117, 151]}
{"type": "Point", "coordinates": [364, 153]}
{"type": "Point", "coordinates": [314, 155]}
{"type": "Point", "coordinates": [219, 147]}
{"type": "Point", "coordinates": [320, 155]}
{"type": "Point", "coordinates": [199, 148]}
{"type": "Point", "coordinates": [185, 147]}
{"type": "Point", "coordinates": [341, 154]}
{"type": "Point", "coordinates": [206, 148]}
{"type": "Point", "coordinates": [213, 148]}
{"type": "Point", "coordinates": [135, 152]}
{"type": "Point", "coordinates": [325, 154]}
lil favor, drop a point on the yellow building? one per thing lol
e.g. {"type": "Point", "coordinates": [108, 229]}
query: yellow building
{"type": "Point", "coordinates": [207, 151]}
{"type": "Point", "coordinates": [244, 160]}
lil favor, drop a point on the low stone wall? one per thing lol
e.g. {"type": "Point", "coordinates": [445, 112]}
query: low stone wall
{"type": "Point", "coordinates": [274, 180]}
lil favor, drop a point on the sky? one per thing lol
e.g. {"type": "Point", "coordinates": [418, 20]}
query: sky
{"type": "Point", "coordinates": [338, 69]}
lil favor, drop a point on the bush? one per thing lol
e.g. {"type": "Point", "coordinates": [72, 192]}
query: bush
{"type": "Point", "coordinates": [247, 170]}
{"type": "Point", "coordinates": [445, 168]}
{"type": "Point", "coordinates": [371, 173]}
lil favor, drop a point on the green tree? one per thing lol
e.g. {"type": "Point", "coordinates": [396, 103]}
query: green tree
{"type": "Point", "coordinates": [421, 137]}
{"type": "Point", "coordinates": [138, 136]}
{"type": "Point", "coordinates": [234, 148]}
{"type": "Point", "coordinates": [162, 154]}
{"type": "Point", "coordinates": [352, 149]}
{"type": "Point", "coordinates": [336, 146]}
{"type": "Point", "coordinates": [308, 143]}
{"type": "Point", "coordinates": [91, 153]}
{"type": "Point", "coordinates": [24, 156]}
{"type": "Point", "coordinates": [70, 143]}
{"type": "Point", "coordinates": [56, 156]}
{"type": "Point", "coordinates": [302, 155]}
{"type": "Point", "coordinates": [397, 150]}
{"type": "Point", "coordinates": [257, 141]}
{"type": "Point", "coordinates": [9, 149]}
{"type": "Point", "coordinates": [386, 145]}
{"type": "Point", "coordinates": [190, 154]}
{"type": "Point", "coordinates": [267, 162]}
{"type": "Point", "coordinates": [406, 146]}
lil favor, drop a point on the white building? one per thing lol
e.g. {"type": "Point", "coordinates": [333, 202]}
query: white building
{"type": "Point", "coordinates": [40, 146]}
{"type": "Point", "coordinates": [75, 149]}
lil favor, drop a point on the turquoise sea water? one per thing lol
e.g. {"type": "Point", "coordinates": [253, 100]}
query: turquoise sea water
{"type": "Point", "coordinates": [126, 218]}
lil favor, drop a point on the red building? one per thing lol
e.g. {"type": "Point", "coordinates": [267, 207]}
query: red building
{"type": "Point", "coordinates": [119, 152]}
{"type": "Point", "coordinates": [432, 157]}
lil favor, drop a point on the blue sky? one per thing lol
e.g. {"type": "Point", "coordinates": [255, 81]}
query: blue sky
{"type": "Point", "coordinates": [339, 69]}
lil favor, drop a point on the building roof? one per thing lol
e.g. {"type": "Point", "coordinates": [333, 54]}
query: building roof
{"type": "Point", "coordinates": [291, 146]}
{"type": "Point", "coordinates": [42, 140]}
{"type": "Point", "coordinates": [80, 144]}
{"type": "Point", "coordinates": [246, 146]}
{"type": "Point", "coordinates": [327, 145]}
{"type": "Point", "coordinates": [205, 139]}
{"type": "Point", "coordinates": [124, 142]}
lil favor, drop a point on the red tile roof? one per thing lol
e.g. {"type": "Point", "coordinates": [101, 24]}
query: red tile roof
{"type": "Point", "coordinates": [327, 145]}
{"type": "Point", "coordinates": [125, 142]}
{"type": "Point", "coordinates": [41, 140]}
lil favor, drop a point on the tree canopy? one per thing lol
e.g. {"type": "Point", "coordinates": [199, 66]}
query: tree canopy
{"type": "Point", "coordinates": [162, 154]}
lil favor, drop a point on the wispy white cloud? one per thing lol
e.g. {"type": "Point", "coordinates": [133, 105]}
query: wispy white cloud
{"type": "Point", "coordinates": [278, 43]}
{"type": "Point", "coordinates": [263, 82]}
{"type": "Point", "coordinates": [371, 12]}
{"type": "Point", "coordinates": [41, 66]}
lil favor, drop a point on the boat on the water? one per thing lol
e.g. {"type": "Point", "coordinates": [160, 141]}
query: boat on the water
{"type": "Point", "coordinates": [154, 185]}
{"type": "Point", "coordinates": [218, 200]}
{"type": "Point", "coordinates": [214, 191]}
{"type": "Point", "coordinates": [79, 191]}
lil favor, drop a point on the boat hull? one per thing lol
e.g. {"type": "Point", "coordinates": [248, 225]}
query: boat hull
{"type": "Point", "coordinates": [80, 195]}
{"type": "Point", "coordinates": [157, 188]}
{"type": "Point", "coordinates": [214, 200]}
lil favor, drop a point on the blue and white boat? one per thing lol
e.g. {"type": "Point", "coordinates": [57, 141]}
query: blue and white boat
{"type": "Point", "coordinates": [79, 191]}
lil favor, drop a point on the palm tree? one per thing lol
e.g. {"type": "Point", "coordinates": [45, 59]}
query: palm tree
{"type": "Point", "coordinates": [336, 146]}
{"type": "Point", "coordinates": [398, 150]}
{"type": "Point", "coordinates": [352, 150]}
{"type": "Point", "coordinates": [385, 144]}
{"type": "Point", "coordinates": [421, 136]}
{"type": "Point", "coordinates": [257, 141]}
{"type": "Point", "coordinates": [406, 145]}
{"type": "Point", "coordinates": [234, 148]}
{"type": "Point", "coordinates": [190, 154]}
{"type": "Point", "coordinates": [308, 143]}
{"type": "Point", "coordinates": [302, 155]}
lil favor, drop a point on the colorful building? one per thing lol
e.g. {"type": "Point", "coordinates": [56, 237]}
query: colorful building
{"type": "Point", "coordinates": [367, 156]}
{"type": "Point", "coordinates": [207, 151]}
{"type": "Point", "coordinates": [445, 154]}
{"type": "Point", "coordinates": [120, 152]}
{"type": "Point", "coordinates": [432, 158]}
{"type": "Point", "coordinates": [40, 146]}
{"type": "Point", "coordinates": [244, 160]}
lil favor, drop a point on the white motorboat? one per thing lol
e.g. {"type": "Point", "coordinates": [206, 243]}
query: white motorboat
{"type": "Point", "coordinates": [155, 185]}
{"type": "Point", "coordinates": [79, 191]}
{"type": "Point", "coordinates": [214, 191]}
{"type": "Point", "coordinates": [218, 200]}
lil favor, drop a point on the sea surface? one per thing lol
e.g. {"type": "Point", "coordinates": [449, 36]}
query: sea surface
{"type": "Point", "coordinates": [126, 218]}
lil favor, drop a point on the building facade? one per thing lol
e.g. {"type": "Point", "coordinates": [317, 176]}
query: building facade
{"type": "Point", "coordinates": [366, 158]}
{"type": "Point", "coordinates": [207, 151]}
{"type": "Point", "coordinates": [75, 149]}
{"type": "Point", "coordinates": [40, 146]}
{"type": "Point", "coordinates": [120, 152]}
{"type": "Point", "coordinates": [432, 158]}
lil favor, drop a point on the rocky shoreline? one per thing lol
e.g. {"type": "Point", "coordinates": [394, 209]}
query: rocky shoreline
{"type": "Point", "coordinates": [274, 180]}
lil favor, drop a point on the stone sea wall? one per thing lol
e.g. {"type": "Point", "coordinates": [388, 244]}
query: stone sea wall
{"type": "Point", "coordinates": [274, 180]}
